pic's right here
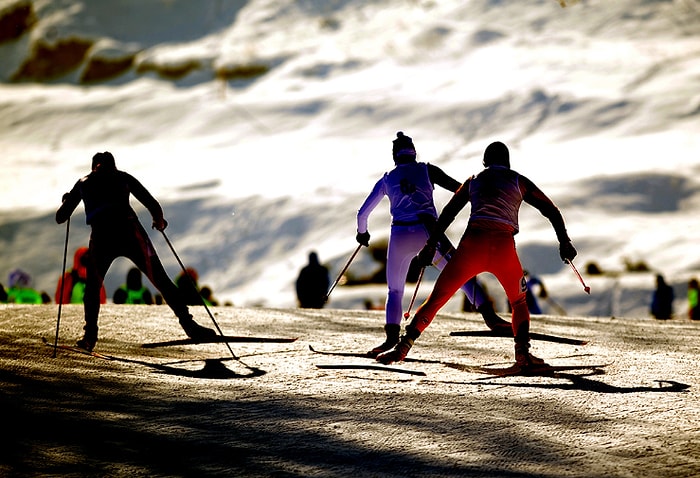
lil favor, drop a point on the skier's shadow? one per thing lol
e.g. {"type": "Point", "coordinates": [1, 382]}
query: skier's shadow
{"type": "Point", "coordinates": [583, 383]}
{"type": "Point", "coordinates": [213, 369]}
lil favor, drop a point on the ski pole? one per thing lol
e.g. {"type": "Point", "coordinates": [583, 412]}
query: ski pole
{"type": "Point", "coordinates": [63, 280]}
{"type": "Point", "coordinates": [415, 293]}
{"type": "Point", "coordinates": [340, 276]}
{"type": "Point", "coordinates": [560, 310]}
{"type": "Point", "coordinates": [194, 285]}
{"type": "Point", "coordinates": [585, 287]}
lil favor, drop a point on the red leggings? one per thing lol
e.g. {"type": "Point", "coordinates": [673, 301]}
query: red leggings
{"type": "Point", "coordinates": [481, 251]}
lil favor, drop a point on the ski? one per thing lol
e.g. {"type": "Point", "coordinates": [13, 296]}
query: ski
{"type": "Point", "coordinates": [219, 339]}
{"type": "Point", "coordinates": [507, 332]}
{"type": "Point", "coordinates": [515, 370]}
{"type": "Point", "coordinates": [76, 349]}
{"type": "Point", "coordinates": [369, 366]}
{"type": "Point", "coordinates": [365, 355]}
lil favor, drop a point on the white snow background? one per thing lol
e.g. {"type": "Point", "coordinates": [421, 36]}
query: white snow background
{"type": "Point", "coordinates": [599, 102]}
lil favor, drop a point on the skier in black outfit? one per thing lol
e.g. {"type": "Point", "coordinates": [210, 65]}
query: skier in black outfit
{"type": "Point", "coordinates": [117, 232]}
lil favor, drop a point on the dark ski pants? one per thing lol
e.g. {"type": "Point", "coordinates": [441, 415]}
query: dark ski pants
{"type": "Point", "coordinates": [125, 239]}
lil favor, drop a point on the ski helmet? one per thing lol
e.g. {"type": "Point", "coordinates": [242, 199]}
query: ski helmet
{"type": "Point", "coordinates": [403, 150]}
{"type": "Point", "coordinates": [497, 154]}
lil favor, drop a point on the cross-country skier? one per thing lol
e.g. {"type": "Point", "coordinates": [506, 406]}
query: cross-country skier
{"type": "Point", "coordinates": [117, 232]}
{"type": "Point", "coordinates": [487, 245]}
{"type": "Point", "coordinates": [409, 187]}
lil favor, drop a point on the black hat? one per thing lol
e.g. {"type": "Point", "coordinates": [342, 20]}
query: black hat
{"type": "Point", "coordinates": [497, 154]}
{"type": "Point", "coordinates": [103, 160]}
{"type": "Point", "coordinates": [403, 149]}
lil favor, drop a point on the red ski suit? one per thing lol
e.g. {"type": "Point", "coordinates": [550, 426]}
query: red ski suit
{"type": "Point", "coordinates": [488, 243]}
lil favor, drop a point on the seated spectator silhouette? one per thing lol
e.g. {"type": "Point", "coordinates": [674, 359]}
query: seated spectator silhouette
{"type": "Point", "coordinates": [532, 282]}
{"type": "Point", "coordinates": [74, 281]}
{"type": "Point", "coordinates": [20, 290]}
{"type": "Point", "coordinates": [133, 292]}
{"type": "Point", "coordinates": [693, 298]}
{"type": "Point", "coordinates": [312, 284]}
{"type": "Point", "coordinates": [208, 296]}
{"type": "Point", "coordinates": [189, 286]}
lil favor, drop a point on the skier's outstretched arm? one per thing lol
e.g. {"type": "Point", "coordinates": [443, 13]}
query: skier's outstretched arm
{"type": "Point", "coordinates": [70, 202]}
{"type": "Point", "coordinates": [447, 217]}
{"type": "Point", "coordinates": [366, 209]}
{"type": "Point", "coordinates": [539, 200]}
{"type": "Point", "coordinates": [450, 211]}
{"type": "Point", "coordinates": [442, 179]}
{"type": "Point", "coordinates": [147, 199]}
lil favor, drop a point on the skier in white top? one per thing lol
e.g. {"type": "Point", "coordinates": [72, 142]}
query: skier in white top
{"type": "Point", "coordinates": [488, 245]}
{"type": "Point", "coordinates": [409, 187]}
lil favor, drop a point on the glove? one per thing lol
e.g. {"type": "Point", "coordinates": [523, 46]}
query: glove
{"type": "Point", "coordinates": [160, 224]}
{"type": "Point", "coordinates": [363, 238]}
{"type": "Point", "coordinates": [65, 197]}
{"type": "Point", "coordinates": [426, 255]}
{"type": "Point", "coordinates": [567, 251]}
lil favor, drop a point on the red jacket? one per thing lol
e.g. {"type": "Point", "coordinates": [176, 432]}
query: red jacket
{"type": "Point", "coordinates": [74, 276]}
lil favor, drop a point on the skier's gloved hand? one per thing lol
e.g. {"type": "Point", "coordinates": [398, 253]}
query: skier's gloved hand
{"type": "Point", "coordinates": [426, 255]}
{"type": "Point", "coordinates": [567, 251]}
{"type": "Point", "coordinates": [160, 224]}
{"type": "Point", "coordinates": [65, 197]}
{"type": "Point", "coordinates": [363, 238]}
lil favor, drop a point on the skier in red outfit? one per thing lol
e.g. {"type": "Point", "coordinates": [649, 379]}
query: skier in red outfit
{"type": "Point", "coordinates": [487, 245]}
{"type": "Point", "coordinates": [117, 232]}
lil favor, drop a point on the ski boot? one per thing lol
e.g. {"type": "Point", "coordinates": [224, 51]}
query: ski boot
{"type": "Point", "coordinates": [525, 360]}
{"type": "Point", "coordinates": [400, 350]}
{"type": "Point", "coordinates": [89, 339]}
{"type": "Point", "coordinates": [392, 338]}
{"type": "Point", "coordinates": [196, 331]}
{"type": "Point", "coordinates": [492, 319]}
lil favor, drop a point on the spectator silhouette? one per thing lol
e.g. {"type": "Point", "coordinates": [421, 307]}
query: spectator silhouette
{"type": "Point", "coordinates": [312, 284]}
{"type": "Point", "coordinates": [133, 291]}
{"type": "Point", "coordinates": [75, 280]}
{"type": "Point", "coordinates": [20, 290]}
{"type": "Point", "coordinates": [693, 296]}
{"type": "Point", "coordinates": [532, 282]}
{"type": "Point", "coordinates": [662, 300]}
{"type": "Point", "coordinates": [208, 296]}
{"type": "Point", "coordinates": [189, 287]}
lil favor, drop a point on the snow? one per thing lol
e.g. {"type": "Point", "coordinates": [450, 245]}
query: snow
{"type": "Point", "coordinates": [599, 103]}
